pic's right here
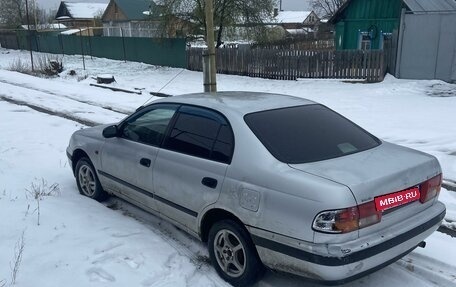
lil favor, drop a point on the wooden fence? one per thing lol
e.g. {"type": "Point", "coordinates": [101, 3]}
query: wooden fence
{"type": "Point", "coordinates": [293, 64]}
{"type": "Point", "coordinates": [296, 44]}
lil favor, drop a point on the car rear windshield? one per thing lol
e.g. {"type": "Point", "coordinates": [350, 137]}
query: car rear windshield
{"type": "Point", "coordinates": [308, 133]}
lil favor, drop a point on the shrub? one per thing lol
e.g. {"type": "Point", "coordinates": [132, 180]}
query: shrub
{"type": "Point", "coordinates": [45, 66]}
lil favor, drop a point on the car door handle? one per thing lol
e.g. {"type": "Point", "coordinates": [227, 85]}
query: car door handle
{"type": "Point", "coordinates": [145, 162]}
{"type": "Point", "coordinates": [209, 182]}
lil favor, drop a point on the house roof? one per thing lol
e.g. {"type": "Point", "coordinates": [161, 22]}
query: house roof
{"type": "Point", "coordinates": [292, 16]}
{"type": "Point", "coordinates": [430, 5]}
{"type": "Point", "coordinates": [76, 10]}
{"type": "Point", "coordinates": [133, 9]}
{"type": "Point", "coordinates": [52, 26]}
{"type": "Point", "coordinates": [413, 5]}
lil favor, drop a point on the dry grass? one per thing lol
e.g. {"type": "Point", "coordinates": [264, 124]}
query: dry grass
{"type": "Point", "coordinates": [18, 252]}
{"type": "Point", "coordinates": [44, 66]}
{"type": "Point", "coordinates": [40, 189]}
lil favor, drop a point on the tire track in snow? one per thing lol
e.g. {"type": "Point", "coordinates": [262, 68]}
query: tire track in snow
{"type": "Point", "coordinates": [92, 103]}
{"type": "Point", "coordinates": [84, 113]}
{"type": "Point", "coordinates": [49, 112]}
{"type": "Point", "coordinates": [428, 269]}
{"type": "Point", "coordinates": [179, 240]}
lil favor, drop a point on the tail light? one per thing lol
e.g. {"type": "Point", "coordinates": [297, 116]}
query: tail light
{"type": "Point", "coordinates": [348, 219]}
{"type": "Point", "coordinates": [430, 188]}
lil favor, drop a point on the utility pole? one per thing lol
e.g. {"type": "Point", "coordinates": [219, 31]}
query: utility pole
{"type": "Point", "coordinates": [210, 71]}
{"type": "Point", "coordinates": [30, 33]}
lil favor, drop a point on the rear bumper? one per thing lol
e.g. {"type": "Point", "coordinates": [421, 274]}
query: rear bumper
{"type": "Point", "coordinates": [362, 256]}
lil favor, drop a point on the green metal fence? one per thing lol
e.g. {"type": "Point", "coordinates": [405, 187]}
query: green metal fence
{"type": "Point", "coordinates": [155, 51]}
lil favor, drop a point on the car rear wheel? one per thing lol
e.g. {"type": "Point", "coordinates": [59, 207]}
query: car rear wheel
{"type": "Point", "coordinates": [87, 180]}
{"type": "Point", "coordinates": [233, 254]}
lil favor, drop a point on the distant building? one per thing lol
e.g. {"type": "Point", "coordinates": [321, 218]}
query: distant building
{"type": "Point", "coordinates": [420, 34]}
{"type": "Point", "coordinates": [130, 18]}
{"type": "Point", "coordinates": [80, 15]}
{"type": "Point", "coordinates": [297, 23]}
{"type": "Point", "coordinates": [296, 19]}
{"type": "Point", "coordinates": [365, 25]}
{"type": "Point", "coordinates": [139, 18]}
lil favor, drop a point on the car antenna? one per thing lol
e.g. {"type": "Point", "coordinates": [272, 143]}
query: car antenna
{"type": "Point", "coordinates": [167, 83]}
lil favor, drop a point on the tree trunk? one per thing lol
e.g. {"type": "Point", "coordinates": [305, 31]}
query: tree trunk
{"type": "Point", "coordinates": [222, 18]}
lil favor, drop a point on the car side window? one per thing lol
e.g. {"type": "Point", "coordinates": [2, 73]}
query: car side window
{"type": "Point", "coordinates": [148, 126]}
{"type": "Point", "coordinates": [202, 133]}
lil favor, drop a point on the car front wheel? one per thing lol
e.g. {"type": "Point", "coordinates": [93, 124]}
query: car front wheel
{"type": "Point", "coordinates": [87, 180]}
{"type": "Point", "coordinates": [233, 254]}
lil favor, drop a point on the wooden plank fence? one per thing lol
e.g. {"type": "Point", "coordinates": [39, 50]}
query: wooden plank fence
{"type": "Point", "coordinates": [294, 64]}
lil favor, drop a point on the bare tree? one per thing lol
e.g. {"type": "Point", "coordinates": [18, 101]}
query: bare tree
{"type": "Point", "coordinates": [227, 13]}
{"type": "Point", "coordinates": [13, 14]}
{"type": "Point", "coordinates": [327, 8]}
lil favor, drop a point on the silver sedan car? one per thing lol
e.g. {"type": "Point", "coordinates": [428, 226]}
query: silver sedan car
{"type": "Point", "coordinates": [266, 180]}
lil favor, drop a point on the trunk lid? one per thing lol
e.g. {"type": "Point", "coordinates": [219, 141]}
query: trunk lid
{"type": "Point", "coordinates": [384, 169]}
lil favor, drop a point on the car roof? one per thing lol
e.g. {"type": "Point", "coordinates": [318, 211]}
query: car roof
{"type": "Point", "coordinates": [239, 102]}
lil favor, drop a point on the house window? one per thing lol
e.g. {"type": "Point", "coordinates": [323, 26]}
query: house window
{"type": "Point", "coordinates": [365, 42]}
{"type": "Point", "coordinates": [385, 37]}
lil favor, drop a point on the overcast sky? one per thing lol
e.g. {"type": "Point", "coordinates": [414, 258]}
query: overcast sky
{"type": "Point", "coordinates": [286, 4]}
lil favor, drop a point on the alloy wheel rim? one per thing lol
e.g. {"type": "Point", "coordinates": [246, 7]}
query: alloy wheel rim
{"type": "Point", "coordinates": [87, 180]}
{"type": "Point", "coordinates": [230, 253]}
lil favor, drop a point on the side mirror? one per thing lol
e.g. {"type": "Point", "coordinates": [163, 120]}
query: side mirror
{"type": "Point", "coordinates": [110, 132]}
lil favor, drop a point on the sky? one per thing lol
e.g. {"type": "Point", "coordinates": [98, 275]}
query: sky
{"type": "Point", "coordinates": [286, 4]}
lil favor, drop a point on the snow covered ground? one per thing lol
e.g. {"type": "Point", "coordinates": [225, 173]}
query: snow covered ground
{"type": "Point", "coordinates": [80, 242]}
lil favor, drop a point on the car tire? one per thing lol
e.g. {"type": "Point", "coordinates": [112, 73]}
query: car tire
{"type": "Point", "coordinates": [87, 180]}
{"type": "Point", "coordinates": [233, 254]}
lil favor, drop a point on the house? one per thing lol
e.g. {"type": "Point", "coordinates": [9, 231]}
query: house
{"type": "Point", "coordinates": [420, 33]}
{"type": "Point", "coordinates": [139, 18]}
{"type": "Point", "coordinates": [296, 19]}
{"type": "Point", "coordinates": [131, 18]}
{"type": "Point", "coordinates": [365, 24]}
{"type": "Point", "coordinates": [80, 15]}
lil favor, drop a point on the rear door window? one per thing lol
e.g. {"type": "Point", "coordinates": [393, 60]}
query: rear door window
{"type": "Point", "coordinates": [308, 133]}
{"type": "Point", "coordinates": [202, 133]}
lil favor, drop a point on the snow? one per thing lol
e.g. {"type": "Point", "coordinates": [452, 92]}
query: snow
{"type": "Point", "coordinates": [296, 31]}
{"type": "Point", "coordinates": [85, 10]}
{"type": "Point", "coordinates": [45, 26]}
{"type": "Point", "coordinates": [292, 16]}
{"type": "Point", "coordinates": [80, 242]}
{"type": "Point", "coordinates": [72, 31]}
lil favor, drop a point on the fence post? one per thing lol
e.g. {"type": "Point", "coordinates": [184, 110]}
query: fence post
{"type": "Point", "coordinates": [82, 49]}
{"type": "Point", "coordinates": [123, 44]}
{"type": "Point", "coordinates": [90, 46]}
{"type": "Point", "coordinates": [61, 44]}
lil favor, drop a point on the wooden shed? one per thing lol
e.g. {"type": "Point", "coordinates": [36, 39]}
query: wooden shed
{"type": "Point", "coordinates": [79, 15]}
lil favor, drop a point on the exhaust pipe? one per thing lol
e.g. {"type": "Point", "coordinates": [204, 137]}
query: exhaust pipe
{"type": "Point", "coordinates": [422, 244]}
